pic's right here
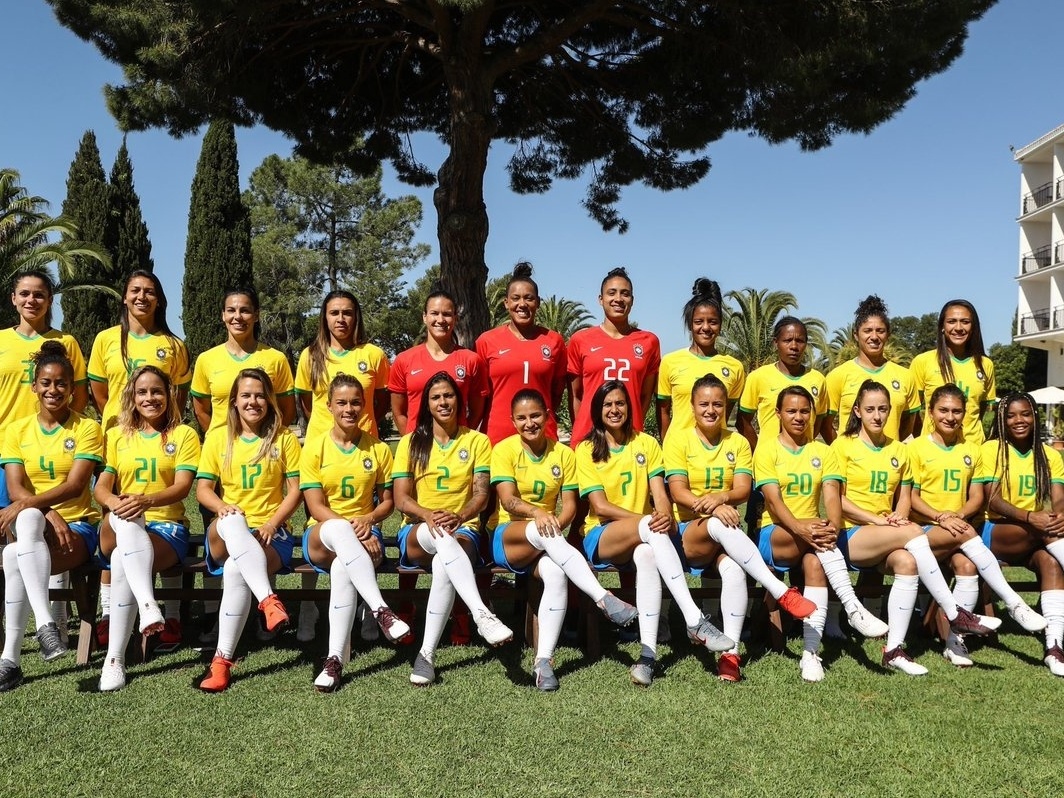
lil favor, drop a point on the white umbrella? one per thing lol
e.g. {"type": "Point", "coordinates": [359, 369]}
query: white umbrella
{"type": "Point", "coordinates": [1049, 396]}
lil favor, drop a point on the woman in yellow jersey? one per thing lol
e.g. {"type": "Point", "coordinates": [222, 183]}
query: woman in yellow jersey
{"type": "Point", "coordinates": [340, 345]}
{"type": "Point", "coordinates": [710, 471]}
{"type": "Point", "coordinates": [217, 368]}
{"type": "Point", "coordinates": [1025, 482]}
{"type": "Point", "coordinates": [703, 315]}
{"type": "Point", "coordinates": [764, 384]}
{"type": "Point", "coordinates": [141, 337]}
{"type": "Point", "coordinates": [441, 487]}
{"type": "Point", "coordinates": [871, 331]}
{"type": "Point", "coordinates": [48, 461]}
{"type": "Point", "coordinates": [948, 497]}
{"type": "Point", "coordinates": [531, 472]}
{"type": "Point", "coordinates": [31, 294]}
{"type": "Point", "coordinates": [629, 521]}
{"type": "Point", "coordinates": [151, 460]}
{"type": "Point", "coordinates": [254, 461]}
{"type": "Point", "coordinates": [876, 493]}
{"type": "Point", "coordinates": [346, 478]}
{"type": "Point", "coordinates": [959, 359]}
{"type": "Point", "coordinates": [795, 475]}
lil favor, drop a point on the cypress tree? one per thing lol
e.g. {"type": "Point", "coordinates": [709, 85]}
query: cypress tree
{"type": "Point", "coordinates": [218, 248]}
{"type": "Point", "coordinates": [127, 234]}
{"type": "Point", "coordinates": [87, 312]}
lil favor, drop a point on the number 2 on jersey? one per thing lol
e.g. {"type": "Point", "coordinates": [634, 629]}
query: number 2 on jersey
{"type": "Point", "coordinates": [616, 368]}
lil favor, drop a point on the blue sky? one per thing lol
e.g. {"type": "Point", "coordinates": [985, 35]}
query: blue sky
{"type": "Point", "coordinates": [921, 211]}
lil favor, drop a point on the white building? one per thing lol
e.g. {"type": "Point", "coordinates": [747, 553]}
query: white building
{"type": "Point", "coordinates": [1040, 321]}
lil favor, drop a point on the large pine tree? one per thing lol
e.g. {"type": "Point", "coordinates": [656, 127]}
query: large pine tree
{"type": "Point", "coordinates": [127, 234]}
{"type": "Point", "coordinates": [86, 205]}
{"type": "Point", "coordinates": [218, 248]}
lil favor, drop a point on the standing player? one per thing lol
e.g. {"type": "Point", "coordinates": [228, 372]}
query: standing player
{"type": "Point", "coordinates": [703, 315]}
{"type": "Point", "coordinates": [959, 359]}
{"type": "Point", "coordinates": [521, 355]}
{"type": "Point", "coordinates": [48, 459]}
{"type": "Point", "coordinates": [871, 331]}
{"type": "Point", "coordinates": [613, 351]}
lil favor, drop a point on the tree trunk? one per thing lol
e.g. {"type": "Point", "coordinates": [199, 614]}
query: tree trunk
{"type": "Point", "coordinates": [462, 217]}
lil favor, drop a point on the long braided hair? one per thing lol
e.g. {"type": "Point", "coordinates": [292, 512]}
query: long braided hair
{"type": "Point", "coordinates": [1042, 482]}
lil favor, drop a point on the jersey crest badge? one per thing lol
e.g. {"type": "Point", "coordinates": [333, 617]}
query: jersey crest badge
{"type": "Point", "coordinates": [460, 372]}
{"type": "Point", "coordinates": [463, 454]}
{"type": "Point", "coordinates": [556, 471]}
{"type": "Point", "coordinates": [641, 459]}
{"type": "Point", "coordinates": [367, 463]}
{"type": "Point", "coordinates": [170, 448]}
{"type": "Point", "coordinates": [68, 445]}
{"type": "Point", "coordinates": [815, 462]}
{"type": "Point", "coordinates": [363, 367]}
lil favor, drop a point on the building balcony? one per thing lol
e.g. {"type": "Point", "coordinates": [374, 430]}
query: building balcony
{"type": "Point", "coordinates": [1042, 195]}
{"type": "Point", "coordinates": [1045, 320]}
{"type": "Point", "coordinates": [1041, 258]}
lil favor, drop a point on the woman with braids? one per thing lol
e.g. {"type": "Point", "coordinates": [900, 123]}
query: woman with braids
{"type": "Point", "coordinates": [615, 350]}
{"type": "Point", "coordinates": [531, 473]}
{"type": "Point", "coordinates": [49, 458]}
{"type": "Point", "coordinates": [947, 499]}
{"type": "Point", "coordinates": [871, 331]}
{"type": "Point", "coordinates": [876, 496]}
{"type": "Point", "coordinates": [958, 359]}
{"type": "Point", "coordinates": [248, 479]}
{"type": "Point", "coordinates": [340, 346]}
{"type": "Point", "coordinates": [1025, 524]}
{"type": "Point", "coordinates": [440, 480]}
{"type": "Point", "coordinates": [710, 471]}
{"type": "Point", "coordinates": [521, 355]}
{"type": "Point", "coordinates": [629, 522]}
{"type": "Point", "coordinates": [703, 316]}
{"type": "Point", "coordinates": [141, 337]}
{"type": "Point", "coordinates": [151, 462]}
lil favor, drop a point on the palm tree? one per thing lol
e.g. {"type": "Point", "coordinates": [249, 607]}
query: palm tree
{"type": "Point", "coordinates": [750, 316]}
{"type": "Point", "coordinates": [564, 316]}
{"type": "Point", "coordinates": [843, 347]}
{"type": "Point", "coordinates": [25, 232]}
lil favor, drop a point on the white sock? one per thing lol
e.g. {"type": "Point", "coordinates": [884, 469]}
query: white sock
{"type": "Point", "coordinates": [450, 555]}
{"type": "Point", "coordinates": [244, 549]}
{"type": "Point", "coordinates": [931, 575]}
{"type": "Point", "coordinates": [745, 554]}
{"type": "Point", "coordinates": [671, 570]}
{"type": "Point", "coordinates": [1053, 612]}
{"type": "Point", "coordinates": [342, 601]}
{"type": "Point", "coordinates": [984, 559]}
{"type": "Point", "coordinates": [901, 601]}
{"type": "Point", "coordinates": [234, 608]}
{"type": "Point", "coordinates": [339, 537]}
{"type": "Point", "coordinates": [1056, 548]}
{"type": "Point", "coordinates": [839, 578]}
{"type": "Point", "coordinates": [16, 606]}
{"type": "Point", "coordinates": [571, 561]}
{"type": "Point", "coordinates": [123, 610]}
{"type": "Point", "coordinates": [437, 608]}
{"type": "Point", "coordinates": [647, 595]}
{"type": "Point", "coordinates": [966, 592]}
{"type": "Point", "coordinates": [733, 598]}
{"type": "Point", "coordinates": [133, 547]}
{"type": "Point", "coordinates": [172, 607]}
{"type": "Point", "coordinates": [551, 607]}
{"type": "Point", "coordinates": [34, 563]}
{"type": "Point", "coordinates": [813, 626]}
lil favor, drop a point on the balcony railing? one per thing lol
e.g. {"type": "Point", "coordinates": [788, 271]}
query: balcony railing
{"type": "Point", "coordinates": [1060, 188]}
{"type": "Point", "coordinates": [1038, 259]}
{"type": "Point", "coordinates": [1037, 321]}
{"type": "Point", "coordinates": [1058, 253]}
{"type": "Point", "coordinates": [1039, 197]}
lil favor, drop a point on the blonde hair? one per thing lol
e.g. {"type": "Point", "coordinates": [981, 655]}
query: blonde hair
{"type": "Point", "coordinates": [271, 425]}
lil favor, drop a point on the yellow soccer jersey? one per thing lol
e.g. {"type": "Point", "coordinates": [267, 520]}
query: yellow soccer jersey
{"type": "Point", "coordinates": [539, 481]}
{"type": "Point", "coordinates": [709, 469]}
{"type": "Point", "coordinates": [216, 370]}
{"type": "Point", "coordinates": [978, 387]}
{"type": "Point", "coordinates": [624, 478]}
{"type": "Point", "coordinates": [942, 474]}
{"type": "Point", "coordinates": [366, 363]}
{"type": "Point", "coordinates": [447, 481]}
{"type": "Point", "coordinates": [762, 386]}
{"type": "Point", "coordinates": [872, 474]}
{"type": "Point", "coordinates": [678, 373]}
{"type": "Point", "coordinates": [799, 475]}
{"type": "Point", "coordinates": [168, 354]}
{"type": "Point", "coordinates": [17, 400]}
{"type": "Point", "coordinates": [1019, 490]}
{"type": "Point", "coordinates": [257, 488]}
{"type": "Point", "coordinates": [845, 381]}
{"type": "Point", "coordinates": [48, 456]}
{"type": "Point", "coordinates": [349, 478]}
{"type": "Point", "coordinates": [144, 463]}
